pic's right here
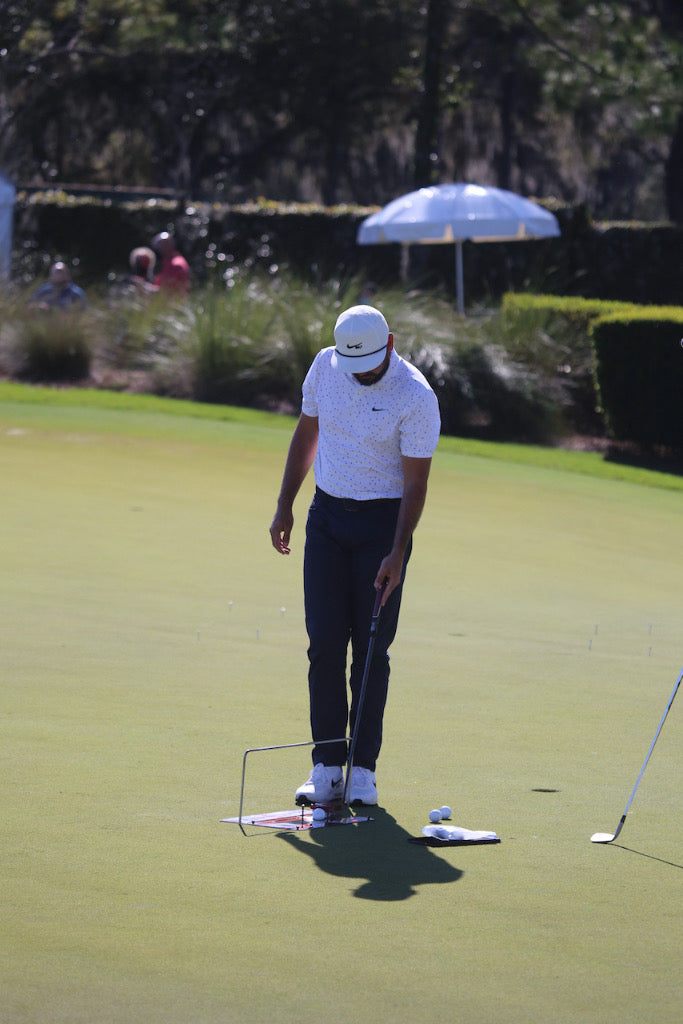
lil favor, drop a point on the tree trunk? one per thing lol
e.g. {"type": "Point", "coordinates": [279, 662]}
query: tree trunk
{"type": "Point", "coordinates": [427, 134]}
{"type": "Point", "coordinates": [673, 175]}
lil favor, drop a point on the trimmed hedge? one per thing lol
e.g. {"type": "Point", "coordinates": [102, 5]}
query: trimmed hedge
{"type": "Point", "coordinates": [550, 336]}
{"type": "Point", "coordinates": [639, 362]}
{"type": "Point", "coordinates": [629, 261]}
{"type": "Point", "coordinates": [557, 337]}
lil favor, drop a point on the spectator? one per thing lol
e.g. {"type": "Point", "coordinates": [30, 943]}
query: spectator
{"type": "Point", "coordinates": [174, 276]}
{"type": "Point", "coordinates": [59, 292]}
{"type": "Point", "coordinates": [142, 262]}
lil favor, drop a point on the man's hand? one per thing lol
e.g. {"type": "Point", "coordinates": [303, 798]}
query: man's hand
{"type": "Point", "coordinates": [389, 575]}
{"type": "Point", "coordinates": [300, 456]}
{"type": "Point", "coordinates": [281, 530]}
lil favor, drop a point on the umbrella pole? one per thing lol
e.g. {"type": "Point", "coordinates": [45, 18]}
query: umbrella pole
{"type": "Point", "coordinates": [459, 284]}
{"type": "Point", "coordinates": [405, 262]}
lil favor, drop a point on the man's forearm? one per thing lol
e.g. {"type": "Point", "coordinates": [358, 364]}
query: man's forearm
{"type": "Point", "coordinates": [409, 513]}
{"type": "Point", "coordinates": [302, 449]}
{"type": "Point", "coordinates": [300, 458]}
{"type": "Point", "coordinates": [415, 477]}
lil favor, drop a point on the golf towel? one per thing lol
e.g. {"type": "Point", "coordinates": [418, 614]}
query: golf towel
{"type": "Point", "coordinates": [456, 834]}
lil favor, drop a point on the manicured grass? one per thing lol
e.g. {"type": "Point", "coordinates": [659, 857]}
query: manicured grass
{"type": "Point", "coordinates": [150, 635]}
{"type": "Point", "coordinates": [585, 463]}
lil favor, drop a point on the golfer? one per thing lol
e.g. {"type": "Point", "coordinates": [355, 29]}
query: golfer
{"type": "Point", "coordinates": [370, 422]}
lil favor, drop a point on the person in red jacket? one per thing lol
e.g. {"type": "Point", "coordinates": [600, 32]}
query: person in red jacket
{"type": "Point", "coordinates": [174, 276]}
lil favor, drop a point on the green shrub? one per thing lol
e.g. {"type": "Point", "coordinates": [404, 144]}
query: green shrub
{"type": "Point", "coordinates": [52, 346]}
{"type": "Point", "coordinates": [227, 334]}
{"type": "Point", "coordinates": [253, 342]}
{"type": "Point", "coordinates": [551, 336]}
{"type": "Point", "coordinates": [640, 377]}
{"type": "Point", "coordinates": [305, 315]}
{"type": "Point", "coordinates": [248, 337]}
{"type": "Point", "coordinates": [128, 324]}
{"type": "Point", "coordinates": [482, 392]}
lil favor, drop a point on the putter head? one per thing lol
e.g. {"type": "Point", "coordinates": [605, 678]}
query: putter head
{"type": "Point", "coordinates": [607, 837]}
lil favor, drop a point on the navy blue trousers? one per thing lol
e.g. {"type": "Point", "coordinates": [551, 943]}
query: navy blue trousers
{"type": "Point", "coordinates": [345, 544]}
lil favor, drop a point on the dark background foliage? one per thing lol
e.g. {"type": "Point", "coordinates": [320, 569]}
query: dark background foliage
{"type": "Point", "coordinates": [356, 101]}
{"type": "Point", "coordinates": [637, 263]}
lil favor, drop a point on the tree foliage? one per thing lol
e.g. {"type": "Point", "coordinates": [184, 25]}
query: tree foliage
{"type": "Point", "coordinates": [348, 100]}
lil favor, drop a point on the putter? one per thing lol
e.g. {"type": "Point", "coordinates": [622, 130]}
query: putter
{"type": "Point", "coordinates": [363, 686]}
{"type": "Point", "coordinates": [608, 837]}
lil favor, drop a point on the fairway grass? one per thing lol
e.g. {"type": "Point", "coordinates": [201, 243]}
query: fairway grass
{"type": "Point", "coordinates": [149, 635]}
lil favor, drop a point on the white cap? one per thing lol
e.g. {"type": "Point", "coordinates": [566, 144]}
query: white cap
{"type": "Point", "coordinates": [361, 336]}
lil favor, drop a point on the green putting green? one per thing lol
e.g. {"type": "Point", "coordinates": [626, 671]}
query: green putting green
{"type": "Point", "coordinates": [150, 634]}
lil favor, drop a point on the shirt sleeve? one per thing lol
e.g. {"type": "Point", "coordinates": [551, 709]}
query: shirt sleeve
{"type": "Point", "coordinates": [309, 404]}
{"type": "Point", "coordinates": [421, 426]}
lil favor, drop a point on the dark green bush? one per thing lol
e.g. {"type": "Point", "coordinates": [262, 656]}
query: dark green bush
{"type": "Point", "coordinates": [640, 378]}
{"type": "Point", "coordinates": [248, 338]}
{"type": "Point", "coordinates": [482, 395]}
{"type": "Point", "coordinates": [551, 335]}
{"type": "Point", "coordinates": [638, 262]}
{"type": "Point", "coordinates": [252, 343]}
{"type": "Point", "coordinates": [53, 346]}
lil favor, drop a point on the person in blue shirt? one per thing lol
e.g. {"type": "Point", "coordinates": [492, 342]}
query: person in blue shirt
{"type": "Point", "coordinates": [59, 292]}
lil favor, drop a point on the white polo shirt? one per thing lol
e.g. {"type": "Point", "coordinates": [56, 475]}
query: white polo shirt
{"type": "Point", "coordinates": [364, 430]}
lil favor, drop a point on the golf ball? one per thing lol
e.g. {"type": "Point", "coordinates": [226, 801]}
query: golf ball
{"type": "Point", "coordinates": [435, 816]}
{"type": "Point", "coordinates": [446, 811]}
{"type": "Point", "coordinates": [319, 814]}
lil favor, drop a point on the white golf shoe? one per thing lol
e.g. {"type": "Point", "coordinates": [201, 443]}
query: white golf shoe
{"type": "Point", "coordinates": [363, 789]}
{"type": "Point", "coordinates": [324, 785]}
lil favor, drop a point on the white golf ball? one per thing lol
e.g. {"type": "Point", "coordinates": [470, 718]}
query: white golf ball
{"type": "Point", "coordinates": [446, 811]}
{"type": "Point", "coordinates": [319, 814]}
{"type": "Point", "coordinates": [435, 816]}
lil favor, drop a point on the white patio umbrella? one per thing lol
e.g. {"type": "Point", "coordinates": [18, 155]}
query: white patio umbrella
{"type": "Point", "coordinates": [455, 213]}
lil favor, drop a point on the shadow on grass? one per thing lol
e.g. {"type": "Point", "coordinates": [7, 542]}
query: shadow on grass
{"type": "Point", "coordinates": [377, 852]}
{"type": "Point", "coordinates": [649, 856]}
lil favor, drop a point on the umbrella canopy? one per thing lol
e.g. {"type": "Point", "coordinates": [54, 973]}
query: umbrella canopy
{"type": "Point", "coordinates": [455, 213]}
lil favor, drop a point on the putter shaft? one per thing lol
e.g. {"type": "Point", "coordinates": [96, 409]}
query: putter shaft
{"type": "Point", "coordinates": [604, 837]}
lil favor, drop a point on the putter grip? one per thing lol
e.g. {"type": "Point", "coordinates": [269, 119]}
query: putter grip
{"type": "Point", "coordinates": [378, 600]}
